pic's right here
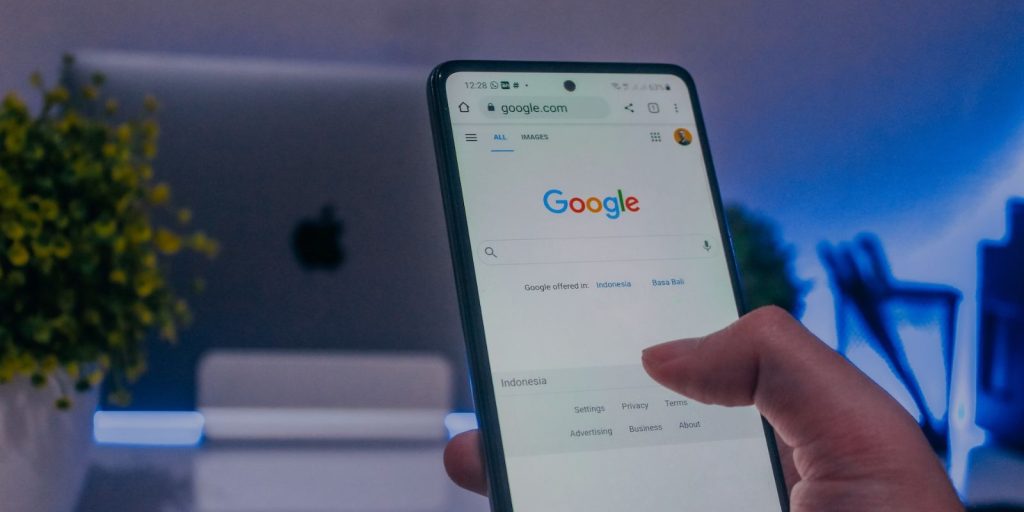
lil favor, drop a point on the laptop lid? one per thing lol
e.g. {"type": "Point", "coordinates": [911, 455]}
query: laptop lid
{"type": "Point", "coordinates": [319, 181]}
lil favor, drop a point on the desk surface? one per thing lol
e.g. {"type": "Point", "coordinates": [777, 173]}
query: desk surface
{"type": "Point", "coordinates": [392, 477]}
{"type": "Point", "coordinates": [255, 478]}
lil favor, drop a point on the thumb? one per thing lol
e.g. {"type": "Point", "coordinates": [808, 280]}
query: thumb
{"type": "Point", "coordinates": [826, 409]}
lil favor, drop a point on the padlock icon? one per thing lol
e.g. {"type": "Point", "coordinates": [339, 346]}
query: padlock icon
{"type": "Point", "coordinates": [490, 107]}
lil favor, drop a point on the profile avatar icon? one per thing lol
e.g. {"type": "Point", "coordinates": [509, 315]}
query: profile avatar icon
{"type": "Point", "coordinates": [683, 136]}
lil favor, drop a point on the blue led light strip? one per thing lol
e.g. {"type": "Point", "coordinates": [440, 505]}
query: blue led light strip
{"type": "Point", "coordinates": [148, 428]}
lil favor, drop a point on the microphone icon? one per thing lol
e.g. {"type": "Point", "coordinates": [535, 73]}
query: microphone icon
{"type": "Point", "coordinates": [707, 245]}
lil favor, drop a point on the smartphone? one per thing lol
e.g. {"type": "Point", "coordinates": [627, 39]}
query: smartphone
{"type": "Point", "coordinates": [585, 225]}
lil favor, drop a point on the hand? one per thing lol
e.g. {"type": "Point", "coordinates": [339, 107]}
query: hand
{"type": "Point", "coordinates": [845, 443]}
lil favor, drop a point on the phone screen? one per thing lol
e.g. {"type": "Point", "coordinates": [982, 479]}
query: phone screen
{"type": "Point", "coordinates": [593, 228]}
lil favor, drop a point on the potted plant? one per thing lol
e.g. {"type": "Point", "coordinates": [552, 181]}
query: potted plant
{"type": "Point", "coordinates": [765, 262]}
{"type": "Point", "coordinates": [86, 234]}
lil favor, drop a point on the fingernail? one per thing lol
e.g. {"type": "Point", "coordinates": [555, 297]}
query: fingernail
{"type": "Point", "coordinates": [663, 352]}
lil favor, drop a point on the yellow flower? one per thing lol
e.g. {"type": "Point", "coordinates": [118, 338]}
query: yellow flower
{"type": "Point", "coordinates": [149, 150]}
{"type": "Point", "coordinates": [67, 326]}
{"type": "Point", "coordinates": [49, 209]}
{"type": "Point", "coordinates": [58, 95]}
{"type": "Point", "coordinates": [150, 130]}
{"type": "Point", "coordinates": [9, 196]}
{"type": "Point", "coordinates": [150, 104]}
{"type": "Point", "coordinates": [146, 171]}
{"type": "Point", "coordinates": [32, 222]}
{"type": "Point", "coordinates": [13, 230]}
{"type": "Point", "coordinates": [118, 276]}
{"type": "Point", "coordinates": [123, 173]}
{"type": "Point", "coordinates": [139, 233]}
{"type": "Point", "coordinates": [124, 133]}
{"type": "Point", "coordinates": [168, 332]}
{"type": "Point", "coordinates": [61, 247]}
{"type": "Point", "coordinates": [120, 398]}
{"type": "Point", "coordinates": [49, 364]}
{"type": "Point", "coordinates": [105, 229]}
{"type": "Point", "coordinates": [120, 244]}
{"type": "Point", "coordinates": [18, 254]}
{"type": "Point", "coordinates": [42, 250]}
{"type": "Point", "coordinates": [14, 142]}
{"type": "Point", "coordinates": [26, 363]}
{"type": "Point", "coordinates": [184, 216]}
{"type": "Point", "coordinates": [13, 103]}
{"type": "Point", "coordinates": [96, 377]}
{"type": "Point", "coordinates": [134, 372]}
{"type": "Point", "coordinates": [145, 284]}
{"type": "Point", "coordinates": [90, 92]}
{"type": "Point", "coordinates": [80, 167]}
{"type": "Point", "coordinates": [204, 245]}
{"type": "Point", "coordinates": [36, 79]}
{"type": "Point", "coordinates": [142, 313]}
{"type": "Point", "coordinates": [160, 194]}
{"type": "Point", "coordinates": [72, 369]}
{"type": "Point", "coordinates": [110, 107]}
{"type": "Point", "coordinates": [115, 338]}
{"type": "Point", "coordinates": [109, 150]}
{"type": "Point", "coordinates": [167, 242]}
{"type": "Point", "coordinates": [69, 121]}
{"type": "Point", "coordinates": [181, 308]}
{"type": "Point", "coordinates": [123, 204]}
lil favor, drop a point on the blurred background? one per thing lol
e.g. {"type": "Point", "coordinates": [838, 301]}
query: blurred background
{"type": "Point", "coordinates": [873, 150]}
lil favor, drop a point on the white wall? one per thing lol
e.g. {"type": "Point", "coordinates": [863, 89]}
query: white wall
{"type": "Point", "coordinates": [833, 70]}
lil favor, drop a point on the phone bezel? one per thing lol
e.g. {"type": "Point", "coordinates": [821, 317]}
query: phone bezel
{"type": "Point", "coordinates": [462, 256]}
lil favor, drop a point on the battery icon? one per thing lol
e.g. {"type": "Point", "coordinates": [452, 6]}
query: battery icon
{"type": "Point", "coordinates": [504, 84]}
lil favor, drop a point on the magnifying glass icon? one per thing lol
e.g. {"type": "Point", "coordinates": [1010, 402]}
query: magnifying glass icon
{"type": "Point", "coordinates": [489, 251]}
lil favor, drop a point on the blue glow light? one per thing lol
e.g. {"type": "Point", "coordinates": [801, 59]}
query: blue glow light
{"type": "Point", "coordinates": [185, 428]}
{"type": "Point", "coordinates": [148, 428]}
{"type": "Point", "coordinates": [459, 422]}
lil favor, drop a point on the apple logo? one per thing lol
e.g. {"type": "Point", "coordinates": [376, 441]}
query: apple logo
{"type": "Point", "coordinates": [317, 243]}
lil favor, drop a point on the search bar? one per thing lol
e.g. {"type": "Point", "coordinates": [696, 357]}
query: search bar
{"type": "Point", "coordinates": [548, 107]}
{"type": "Point", "coordinates": [596, 249]}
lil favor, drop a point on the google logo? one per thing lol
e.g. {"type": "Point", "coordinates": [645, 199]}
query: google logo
{"type": "Point", "coordinates": [612, 206]}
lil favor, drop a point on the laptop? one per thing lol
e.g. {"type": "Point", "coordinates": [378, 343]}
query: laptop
{"type": "Point", "coordinates": [319, 182]}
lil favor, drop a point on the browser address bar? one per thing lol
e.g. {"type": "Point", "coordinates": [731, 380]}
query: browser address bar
{"type": "Point", "coordinates": [547, 107]}
{"type": "Point", "coordinates": [597, 249]}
